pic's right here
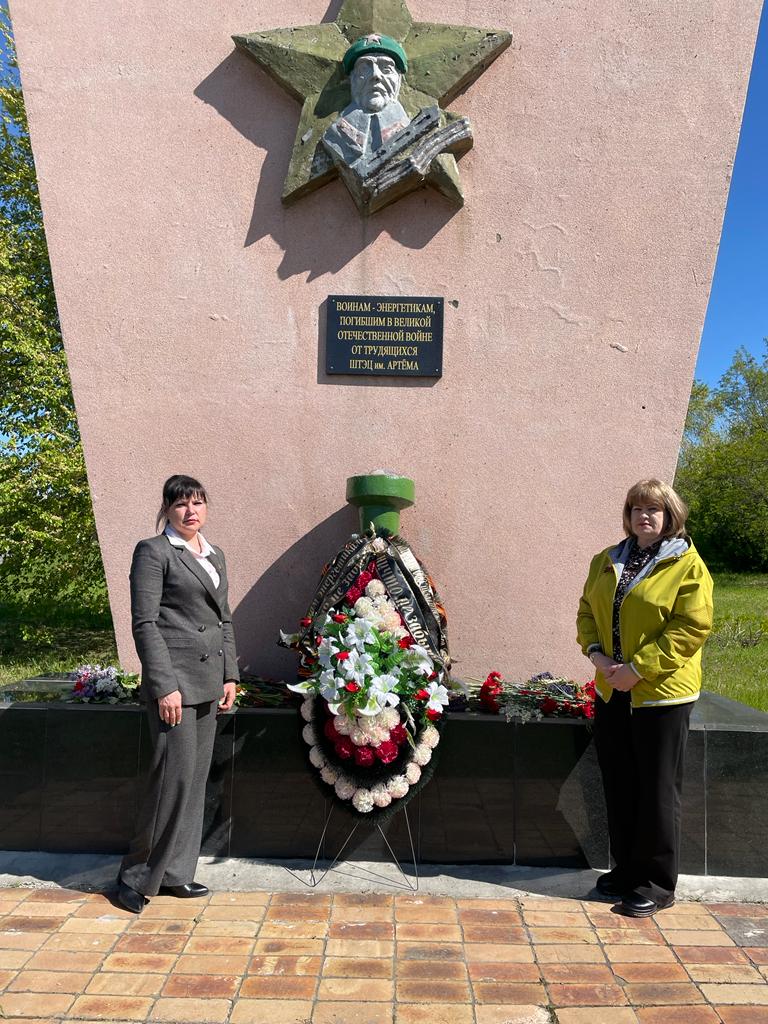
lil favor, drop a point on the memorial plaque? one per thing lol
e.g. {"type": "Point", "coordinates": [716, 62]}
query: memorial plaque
{"type": "Point", "coordinates": [385, 335]}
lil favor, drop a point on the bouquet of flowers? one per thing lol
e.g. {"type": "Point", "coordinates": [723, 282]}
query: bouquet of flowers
{"type": "Point", "coordinates": [542, 696]}
{"type": "Point", "coordinates": [96, 685]}
{"type": "Point", "coordinates": [374, 698]}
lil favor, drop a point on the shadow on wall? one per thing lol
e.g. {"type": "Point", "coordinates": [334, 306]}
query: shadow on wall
{"type": "Point", "coordinates": [281, 595]}
{"type": "Point", "coordinates": [265, 115]}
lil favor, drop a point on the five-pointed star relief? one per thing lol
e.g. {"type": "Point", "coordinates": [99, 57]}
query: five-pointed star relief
{"type": "Point", "coordinates": [306, 61]}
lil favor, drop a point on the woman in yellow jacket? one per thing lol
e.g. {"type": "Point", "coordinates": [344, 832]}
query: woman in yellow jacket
{"type": "Point", "coordinates": [645, 612]}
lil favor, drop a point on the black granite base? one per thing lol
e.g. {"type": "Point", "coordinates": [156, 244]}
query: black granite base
{"type": "Point", "coordinates": [71, 778]}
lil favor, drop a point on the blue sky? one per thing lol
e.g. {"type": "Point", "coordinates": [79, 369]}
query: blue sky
{"type": "Point", "coordinates": [738, 305]}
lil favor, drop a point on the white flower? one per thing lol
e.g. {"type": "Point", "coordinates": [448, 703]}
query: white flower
{"type": "Point", "coordinates": [358, 634]}
{"type": "Point", "coordinates": [378, 544]}
{"type": "Point", "coordinates": [390, 717]}
{"type": "Point", "coordinates": [382, 690]}
{"type": "Point", "coordinates": [307, 708]}
{"type": "Point", "coordinates": [362, 801]}
{"type": "Point", "coordinates": [344, 788]}
{"type": "Point", "coordinates": [289, 639]}
{"type": "Point", "coordinates": [392, 622]}
{"type": "Point", "coordinates": [412, 772]}
{"type": "Point", "coordinates": [360, 737]}
{"type": "Point", "coordinates": [398, 786]}
{"type": "Point", "coordinates": [329, 774]}
{"type": "Point", "coordinates": [364, 607]}
{"type": "Point", "coordinates": [330, 684]}
{"type": "Point", "coordinates": [438, 697]}
{"type": "Point", "coordinates": [422, 754]}
{"type": "Point", "coordinates": [375, 589]}
{"type": "Point", "coordinates": [309, 735]}
{"type": "Point", "coordinates": [379, 735]}
{"type": "Point", "coordinates": [307, 686]}
{"type": "Point", "coordinates": [381, 795]}
{"type": "Point", "coordinates": [317, 757]}
{"type": "Point", "coordinates": [357, 666]}
{"type": "Point", "coordinates": [417, 658]}
{"type": "Point", "coordinates": [327, 648]}
{"type": "Point", "coordinates": [342, 725]}
{"type": "Point", "coordinates": [430, 737]}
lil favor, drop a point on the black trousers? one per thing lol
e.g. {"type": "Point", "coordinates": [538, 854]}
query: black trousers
{"type": "Point", "coordinates": [641, 754]}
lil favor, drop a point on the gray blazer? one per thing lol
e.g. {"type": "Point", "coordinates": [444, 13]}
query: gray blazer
{"type": "Point", "coordinates": [182, 625]}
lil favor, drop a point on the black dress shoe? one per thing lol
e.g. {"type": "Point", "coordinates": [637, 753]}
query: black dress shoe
{"type": "Point", "coordinates": [185, 892]}
{"type": "Point", "coordinates": [635, 905]}
{"type": "Point", "coordinates": [612, 886]}
{"type": "Point", "coordinates": [129, 898]}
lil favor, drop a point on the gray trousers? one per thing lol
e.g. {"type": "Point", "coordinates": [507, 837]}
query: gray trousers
{"type": "Point", "coordinates": [170, 821]}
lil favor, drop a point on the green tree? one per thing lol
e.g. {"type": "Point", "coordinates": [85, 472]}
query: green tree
{"type": "Point", "coordinates": [723, 468]}
{"type": "Point", "coordinates": [50, 563]}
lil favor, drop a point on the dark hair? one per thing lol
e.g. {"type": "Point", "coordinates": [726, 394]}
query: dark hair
{"type": "Point", "coordinates": [178, 488]}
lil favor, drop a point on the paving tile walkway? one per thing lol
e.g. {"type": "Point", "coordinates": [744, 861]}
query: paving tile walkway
{"type": "Point", "coordinates": [294, 958]}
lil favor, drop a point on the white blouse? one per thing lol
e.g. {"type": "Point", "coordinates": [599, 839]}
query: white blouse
{"type": "Point", "coordinates": [202, 556]}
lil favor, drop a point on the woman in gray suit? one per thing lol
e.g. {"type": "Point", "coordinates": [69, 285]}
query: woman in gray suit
{"type": "Point", "coordinates": [182, 628]}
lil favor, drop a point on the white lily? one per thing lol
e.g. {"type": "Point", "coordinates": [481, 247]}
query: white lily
{"type": "Point", "coordinates": [438, 697]}
{"type": "Point", "coordinates": [357, 666]}
{"type": "Point", "coordinates": [381, 688]}
{"type": "Point", "coordinates": [330, 684]}
{"type": "Point", "coordinates": [326, 649]}
{"type": "Point", "coordinates": [359, 633]}
{"type": "Point", "coordinates": [307, 686]}
{"type": "Point", "coordinates": [418, 659]}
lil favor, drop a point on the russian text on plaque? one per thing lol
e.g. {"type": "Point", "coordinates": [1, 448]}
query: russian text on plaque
{"type": "Point", "coordinates": [384, 335]}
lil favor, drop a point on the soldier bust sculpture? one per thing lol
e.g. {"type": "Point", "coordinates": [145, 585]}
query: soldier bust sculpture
{"type": "Point", "coordinates": [379, 151]}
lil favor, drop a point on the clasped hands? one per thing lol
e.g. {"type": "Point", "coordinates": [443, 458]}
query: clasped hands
{"type": "Point", "coordinates": [617, 674]}
{"type": "Point", "coordinates": [169, 706]}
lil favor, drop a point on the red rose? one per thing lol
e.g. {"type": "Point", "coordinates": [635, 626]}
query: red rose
{"type": "Point", "coordinates": [306, 621]}
{"type": "Point", "coordinates": [432, 676]}
{"type": "Point", "coordinates": [494, 677]}
{"type": "Point", "coordinates": [364, 756]}
{"type": "Point", "coordinates": [330, 731]}
{"type": "Point", "coordinates": [79, 686]}
{"type": "Point", "coordinates": [489, 692]}
{"type": "Point", "coordinates": [344, 747]}
{"type": "Point", "coordinates": [386, 752]}
{"type": "Point", "coordinates": [421, 695]}
{"type": "Point", "coordinates": [405, 642]}
{"type": "Point", "coordinates": [399, 734]}
{"type": "Point", "coordinates": [342, 655]}
{"type": "Point", "coordinates": [352, 688]}
{"type": "Point", "coordinates": [589, 710]}
{"type": "Point", "coordinates": [353, 594]}
{"type": "Point", "coordinates": [339, 617]}
{"type": "Point", "coordinates": [548, 705]}
{"type": "Point", "coordinates": [433, 716]}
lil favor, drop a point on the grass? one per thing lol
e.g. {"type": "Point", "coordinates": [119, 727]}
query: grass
{"type": "Point", "coordinates": [735, 656]}
{"type": "Point", "coordinates": [32, 649]}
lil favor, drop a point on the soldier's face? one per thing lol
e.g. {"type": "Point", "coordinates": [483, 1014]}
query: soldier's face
{"type": "Point", "coordinates": [375, 82]}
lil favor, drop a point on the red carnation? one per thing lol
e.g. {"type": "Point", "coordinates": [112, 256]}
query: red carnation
{"type": "Point", "coordinates": [364, 579]}
{"type": "Point", "coordinates": [306, 621]}
{"type": "Point", "coordinates": [432, 676]}
{"type": "Point", "coordinates": [548, 705]}
{"type": "Point", "coordinates": [344, 747]}
{"type": "Point", "coordinates": [399, 734]}
{"type": "Point", "coordinates": [589, 710]}
{"type": "Point", "coordinates": [490, 691]}
{"type": "Point", "coordinates": [352, 688]}
{"type": "Point", "coordinates": [421, 695]}
{"type": "Point", "coordinates": [364, 756]}
{"type": "Point", "coordinates": [405, 642]}
{"type": "Point", "coordinates": [342, 655]}
{"type": "Point", "coordinates": [353, 594]}
{"type": "Point", "coordinates": [433, 716]}
{"type": "Point", "coordinates": [386, 752]}
{"type": "Point", "coordinates": [339, 617]}
{"type": "Point", "coordinates": [330, 731]}
{"type": "Point", "coordinates": [79, 686]}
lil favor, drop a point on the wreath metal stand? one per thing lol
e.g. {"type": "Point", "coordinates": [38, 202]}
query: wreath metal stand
{"type": "Point", "coordinates": [406, 883]}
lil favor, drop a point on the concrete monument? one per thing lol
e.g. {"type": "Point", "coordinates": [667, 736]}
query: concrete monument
{"type": "Point", "coordinates": [575, 280]}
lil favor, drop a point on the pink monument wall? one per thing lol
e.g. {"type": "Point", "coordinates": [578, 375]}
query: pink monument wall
{"type": "Point", "coordinates": [579, 272]}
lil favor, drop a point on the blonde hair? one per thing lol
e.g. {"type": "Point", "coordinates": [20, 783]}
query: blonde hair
{"type": "Point", "coordinates": [675, 509]}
